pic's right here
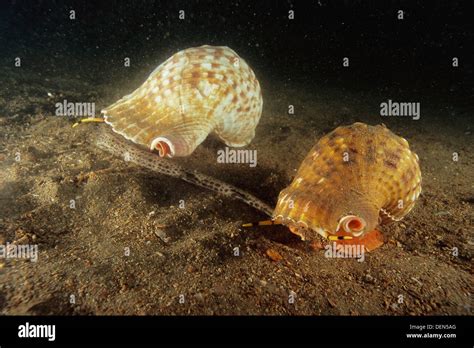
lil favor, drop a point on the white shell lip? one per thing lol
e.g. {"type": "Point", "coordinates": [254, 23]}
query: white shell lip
{"type": "Point", "coordinates": [167, 141]}
{"type": "Point", "coordinates": [113, 128]}
{"type": "Point", "coordinates": [346, 220]}
{"type": "Point", "coordinates": [285, 220]}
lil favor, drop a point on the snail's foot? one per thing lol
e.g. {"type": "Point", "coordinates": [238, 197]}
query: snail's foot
{"type": "Point", "coordinates": [370, 241]}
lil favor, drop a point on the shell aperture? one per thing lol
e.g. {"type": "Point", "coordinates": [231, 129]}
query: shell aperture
{"type": "Point", "coordinates": [354, 178]}
{"type": "Point", "coordinates": [195, 92]}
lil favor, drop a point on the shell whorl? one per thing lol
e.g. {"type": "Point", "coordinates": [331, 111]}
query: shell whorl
{"type": "Point", "coordinates": [193, 93]}
{"type": "Point", "coordinates": [358, 170]}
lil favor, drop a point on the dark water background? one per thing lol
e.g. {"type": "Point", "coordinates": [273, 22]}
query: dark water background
{"type": "Point", "coordinates": [384, 52]}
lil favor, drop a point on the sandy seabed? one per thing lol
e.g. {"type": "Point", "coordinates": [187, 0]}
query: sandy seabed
{"type": "Point", "coordinates": [129, 247]}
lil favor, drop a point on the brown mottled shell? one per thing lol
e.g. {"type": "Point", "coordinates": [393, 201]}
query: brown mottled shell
{"type": "Point", "coordinates": [360, 170]}
{"type": "Point", "coordinates": [195, 92]}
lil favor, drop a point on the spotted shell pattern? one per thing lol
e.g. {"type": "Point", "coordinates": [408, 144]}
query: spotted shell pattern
{"type": "Point", "coordinates": [361, 170]}
{"type": "Point", "coordinates": [193, 93]}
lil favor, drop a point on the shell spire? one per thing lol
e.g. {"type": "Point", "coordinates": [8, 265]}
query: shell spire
{"type": "Point", "coordinates": [195, 92]}
{"type": "Point", "coordinates": [353, 179]}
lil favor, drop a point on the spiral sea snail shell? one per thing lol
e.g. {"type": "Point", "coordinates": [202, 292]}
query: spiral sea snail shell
{"type": "Point", "coordinates": [355, 178]}
{"type": "Point", "coordinates": [195, 92]}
